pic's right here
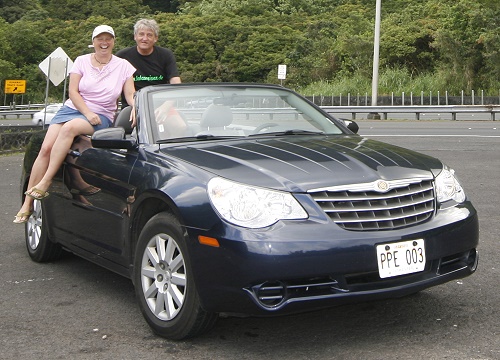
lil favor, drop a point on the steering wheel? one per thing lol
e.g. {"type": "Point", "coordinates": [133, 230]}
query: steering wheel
{"type": "Point", "coordinates": [261, 127]}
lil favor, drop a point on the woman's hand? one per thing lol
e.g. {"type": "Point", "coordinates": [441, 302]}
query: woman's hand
{"type": "Point", "coordinates": [93, 118]}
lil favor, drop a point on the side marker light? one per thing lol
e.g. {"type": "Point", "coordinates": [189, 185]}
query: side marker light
{"type": "Point", "coordinates": [205, 240]}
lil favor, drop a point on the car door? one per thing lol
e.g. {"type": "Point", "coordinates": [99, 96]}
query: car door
{"type": "Point", "coordinates": [99, 197]}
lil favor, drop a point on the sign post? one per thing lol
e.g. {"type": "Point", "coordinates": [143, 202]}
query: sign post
{"type": "Point", "coordinates": [281, 73]}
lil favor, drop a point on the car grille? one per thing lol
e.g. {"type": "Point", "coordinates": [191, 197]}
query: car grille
{"type": "Point", "coordinates": [364, 207]}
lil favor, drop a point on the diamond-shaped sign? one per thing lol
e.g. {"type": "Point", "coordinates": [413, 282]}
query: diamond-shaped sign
{"type": "Point", "coordinates": [60, 64]}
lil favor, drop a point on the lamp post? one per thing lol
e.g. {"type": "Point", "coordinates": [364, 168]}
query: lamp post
{"type": "Point", "coordinates": [376, 47]}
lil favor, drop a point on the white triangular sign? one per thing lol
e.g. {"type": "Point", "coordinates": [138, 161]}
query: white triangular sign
{"type": "Point", "coordinates": [58, 62]}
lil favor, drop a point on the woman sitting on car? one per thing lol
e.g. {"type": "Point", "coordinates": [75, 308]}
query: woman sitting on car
{"type": "Point", "coordinates": [95, 84]}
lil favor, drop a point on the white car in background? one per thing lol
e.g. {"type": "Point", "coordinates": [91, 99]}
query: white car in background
{"type": "Point", "coordinates": [46, 114]}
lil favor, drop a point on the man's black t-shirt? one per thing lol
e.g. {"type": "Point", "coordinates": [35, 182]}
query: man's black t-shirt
{"type": "Point", "coordinates": [157, 68]}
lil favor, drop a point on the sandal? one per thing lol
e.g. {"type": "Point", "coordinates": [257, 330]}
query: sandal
{"type": "Point", "coordinates": [88, 191]}
{"type": "Point", "coordinates": [37, 194]}
{"type": "Point", "coordinates": [22, 217]}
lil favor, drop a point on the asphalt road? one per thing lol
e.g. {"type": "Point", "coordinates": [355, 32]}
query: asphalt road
{"type": "Point", "coordinates": [73, 309]}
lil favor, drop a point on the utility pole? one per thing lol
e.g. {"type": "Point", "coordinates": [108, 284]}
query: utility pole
{"type": "Point", "coordinates": [376, 53]}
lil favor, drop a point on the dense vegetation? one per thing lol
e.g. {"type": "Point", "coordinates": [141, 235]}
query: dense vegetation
{"type": "Point", "coordinates": [442, 45]}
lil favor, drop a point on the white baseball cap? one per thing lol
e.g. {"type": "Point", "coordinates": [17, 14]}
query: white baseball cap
{"type": "Point", "coordinates": [103, 29]}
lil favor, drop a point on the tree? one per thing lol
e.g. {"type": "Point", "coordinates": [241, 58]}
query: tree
{"type": "Point", "coordinates": [26, 35]}
{"type": "Point", "coordinates": [406, 40]}
{"type": "Point", "coordinates": [452, 42]}
{"type": "Point", "coordinates": [168, 6]}
{"type": "Point", "coordinates": [353, 47]}
{"type": "Point", "coordinates": [457, 38]}
{"type": "Point", "coordinates": [81, 10]}
{"type": "Point", "coordinates": [13, 10]}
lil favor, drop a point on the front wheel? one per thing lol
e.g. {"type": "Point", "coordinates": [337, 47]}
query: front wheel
{"type": "Point", "coordinates": [164, 282]}
{"type": "Point", "coordinates": [40, 247]}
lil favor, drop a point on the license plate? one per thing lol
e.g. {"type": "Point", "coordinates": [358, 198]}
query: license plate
{"type": "Point", "coordinates": [400, 258]}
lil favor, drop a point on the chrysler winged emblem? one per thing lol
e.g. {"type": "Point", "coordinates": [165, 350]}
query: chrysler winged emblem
{"type": "Point", "coordinates": [382, 186]}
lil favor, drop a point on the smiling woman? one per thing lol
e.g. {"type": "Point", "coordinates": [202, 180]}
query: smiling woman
{"type": "Point", "coordinates": [96, 82]}
{"type": "Point", "coordinates": [103, 38]}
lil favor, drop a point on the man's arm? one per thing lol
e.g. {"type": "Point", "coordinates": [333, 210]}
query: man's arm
{"type": "Point", "coordinates": [175, 80]}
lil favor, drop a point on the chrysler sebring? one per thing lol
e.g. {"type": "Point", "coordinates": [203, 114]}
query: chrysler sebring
{"type": "Point", "coordinates": [247, 199]}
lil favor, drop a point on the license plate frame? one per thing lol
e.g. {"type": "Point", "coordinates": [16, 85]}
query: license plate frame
{"type": "Point", "coordinates": [401, 258]}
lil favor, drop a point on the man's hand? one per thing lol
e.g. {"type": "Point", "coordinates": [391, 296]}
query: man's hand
{"type": "Point", "coordinates": [132, 117]}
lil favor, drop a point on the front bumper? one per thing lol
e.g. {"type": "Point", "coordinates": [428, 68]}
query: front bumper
{"type": "Point", "coordinates": [299, 266]}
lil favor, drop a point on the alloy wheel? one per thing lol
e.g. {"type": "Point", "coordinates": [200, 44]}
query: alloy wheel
{"type": "Point", "coordinates": [34, 226]}
{"type": "Point", "coordinates": [163, 277]}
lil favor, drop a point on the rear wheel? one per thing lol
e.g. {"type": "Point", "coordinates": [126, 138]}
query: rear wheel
{"type": "Point", "coordinates": [164, 282]}
{"type": "Point", "coordinates": [40, 248]}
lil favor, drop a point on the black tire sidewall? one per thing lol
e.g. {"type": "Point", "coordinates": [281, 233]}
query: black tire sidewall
{"type": "Point", "coordinates": [181, 326]}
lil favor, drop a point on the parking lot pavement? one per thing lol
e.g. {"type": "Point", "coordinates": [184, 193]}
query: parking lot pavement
{"type": "Point", "coordinates": [73, 309]}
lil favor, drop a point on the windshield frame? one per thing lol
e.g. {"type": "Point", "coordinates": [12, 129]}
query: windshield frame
{"type": "Point", "coordinates": [249, 105]}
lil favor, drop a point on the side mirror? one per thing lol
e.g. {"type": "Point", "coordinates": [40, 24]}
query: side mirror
{"type": "Point", "coordinates": [112, 138]}
{"type": "Point", "coordinates": [351, 125]}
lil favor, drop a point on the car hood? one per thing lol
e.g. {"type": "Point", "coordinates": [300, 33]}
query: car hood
{"type": "Point", "coordinates": [302, 163]}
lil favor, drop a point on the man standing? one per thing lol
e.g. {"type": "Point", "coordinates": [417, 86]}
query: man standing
{"type": "Point", "coordinates": [154, 64]}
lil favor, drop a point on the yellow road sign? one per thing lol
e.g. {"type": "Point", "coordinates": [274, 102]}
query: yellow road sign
{"type": "Point", "coordinates": [15, 86]}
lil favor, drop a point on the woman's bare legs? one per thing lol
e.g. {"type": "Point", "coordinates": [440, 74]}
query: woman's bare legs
{"type": "Point", "coordinates": [60, 149]}
{"type": "Point", "coordinates": [54, 149]}
{"type": "Point", "coordinates": [39, 167]}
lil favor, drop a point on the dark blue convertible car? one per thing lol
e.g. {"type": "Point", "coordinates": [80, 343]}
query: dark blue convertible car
{"type": "Point", "coordinates": [248, 199]}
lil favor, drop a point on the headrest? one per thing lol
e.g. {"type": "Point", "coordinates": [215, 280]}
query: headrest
{"type": "Point", "coordinates": [216, 116]}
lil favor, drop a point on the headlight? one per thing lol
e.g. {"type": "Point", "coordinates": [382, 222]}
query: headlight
{"type": "Point", "coordinates": [251, 206]}
{"type": "Point", "coordinates": [448, 187]}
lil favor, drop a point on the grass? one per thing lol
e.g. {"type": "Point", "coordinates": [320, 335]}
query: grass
{"type": "Point", "coordinates": [391, 81]}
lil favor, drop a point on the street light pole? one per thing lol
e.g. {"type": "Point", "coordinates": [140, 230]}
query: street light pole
{"type": "Point", "coordinates": [376, 47]}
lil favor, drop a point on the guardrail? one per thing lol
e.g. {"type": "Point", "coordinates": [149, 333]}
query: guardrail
{"type": "Point", "coordinates": [18, 113]}
{"type": "Point", "coordinates": [22, 106]}
{"type": "Point", "coordinates": [492, 110]}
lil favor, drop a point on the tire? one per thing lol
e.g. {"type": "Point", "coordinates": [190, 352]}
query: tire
{"type": "Point", "coordinates": [167, 279]}
{"type": "Point", "coordinates": [40, 248]}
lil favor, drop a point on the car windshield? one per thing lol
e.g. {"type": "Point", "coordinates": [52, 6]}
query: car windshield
{"type": "Point", "coordinates": [199, 112]}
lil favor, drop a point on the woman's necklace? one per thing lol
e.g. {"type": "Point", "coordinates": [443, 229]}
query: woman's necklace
{"type": "Point", "coordinates": [102, 63]}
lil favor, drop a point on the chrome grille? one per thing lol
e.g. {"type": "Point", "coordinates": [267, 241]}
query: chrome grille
{"type": "Point", "coordinates": [360, 207]}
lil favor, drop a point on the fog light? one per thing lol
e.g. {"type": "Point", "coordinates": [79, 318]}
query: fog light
{"type": "Point", "coordinates": [473, 259]}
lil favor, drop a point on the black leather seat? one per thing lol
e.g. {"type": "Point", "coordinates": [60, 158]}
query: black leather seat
{"type": "Point", "coordinates": [123, 120]}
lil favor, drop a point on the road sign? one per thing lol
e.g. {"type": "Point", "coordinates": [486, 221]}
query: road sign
{"type": "Point", "coordinates": [282, 72]}
{"type": "Point", "coordinates": [15, 86]}
{"type": "Point", "coordinates": [58, 62]}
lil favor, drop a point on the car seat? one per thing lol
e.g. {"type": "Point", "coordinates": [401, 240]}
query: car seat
{"type": "Point", "coordinates": [216, 117]}
{"type": "Point", "coordinates": [123, 120]}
